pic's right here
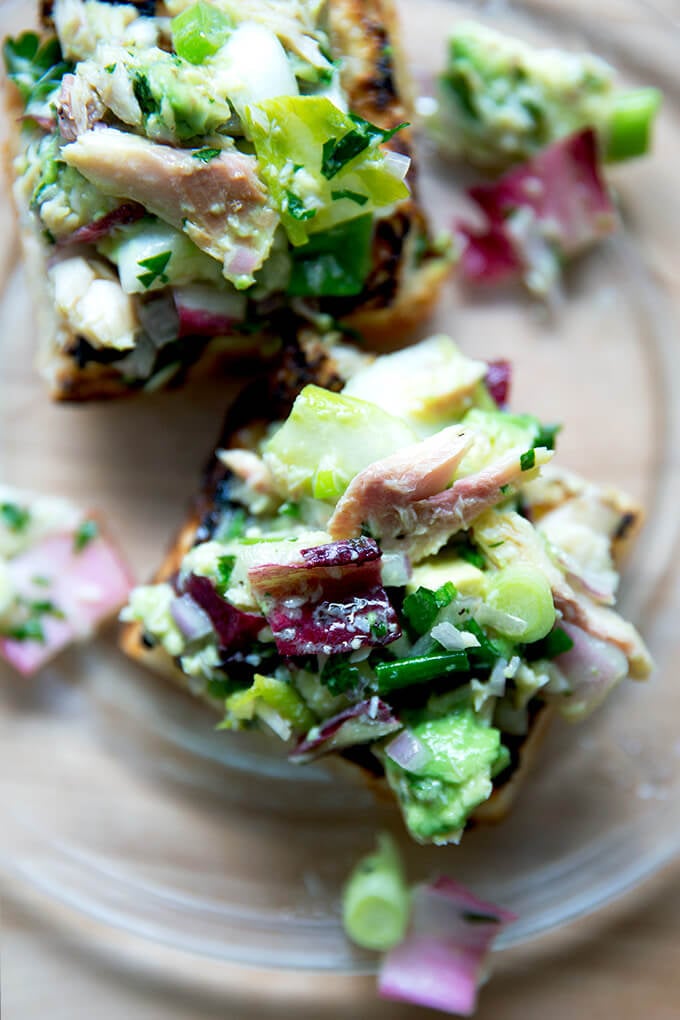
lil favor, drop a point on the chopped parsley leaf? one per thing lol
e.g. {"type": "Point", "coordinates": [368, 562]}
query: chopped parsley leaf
{"type": "Point", "coordinates": [339, 675]}
{"type": "Point", "coordinates": [14, 516]}
{"type": "Point", "coordinates": [156, 266]}
{"type": "Point", "coordinates": [338, 152]}
{"type": "Point", "coordinates": [353, 196]}
{"type": "Point", "coordinates": [297, 209]}
{"type": "Point", "coordinates": [553, 644]}
{"type": "Point", "coordinates": [205, 155]}
{"type": "Point", "coordinates": [110, 68]}
{"type": "Point", "coordinates": [546, 436]}
{"type": "Point", "coordinates": [84, 535]}
{"type": "Point", "coordinates": [144, 96]}
{"type": "Point", "coordinates": [528, 460]}
{"type": "Point", "coordinates": [470, 553]}
{"type": "Point", "coordinates": [422, 606]}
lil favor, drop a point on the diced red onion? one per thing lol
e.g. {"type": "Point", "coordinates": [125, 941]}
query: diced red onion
{"type": "Point", "coordinates": [362, 723]}
{"type": "Point", "coordinates": [408, 752]}
{"type": "Point", "coordinates": [159, 318]}
{"type": "Point", "coordinates": [592, 667]}
{"type": "Point", "coordinates": [453, 639]}
{"type": "Point", "coordinates": [441, 960]}
{"type": "Point", "coordinates": [396, 569]}
{"type": "Point", "coordinates": [193, 621]}
{"type": "Point", "coordinates": [396, 163]}
{"type": "Point", "coordinates": [90, 233]}
{"type": "Point", "coordinates": [497, 379]}
{"type": "Point", "coordinates": [206, 311]}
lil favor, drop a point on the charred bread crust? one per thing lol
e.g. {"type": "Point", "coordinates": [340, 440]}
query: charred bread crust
{"type": "Point", "coordinates": [303, 360]}
{"type": "Point", "coordinates": [407, 273]}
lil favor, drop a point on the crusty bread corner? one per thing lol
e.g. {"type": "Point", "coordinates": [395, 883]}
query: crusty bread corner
{"type": "Point", "coordinates": [402, 288]}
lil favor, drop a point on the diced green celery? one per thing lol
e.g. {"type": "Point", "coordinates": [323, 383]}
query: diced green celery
{"type": "Point", "coordinates": [524, 593]}
{"type": "Point", "coordinates": [375, 900]}
{"type": "Point", "coordinates": [307, 149]}
{"type": "Point", "coordinates": [419, 669]}
{"type": "Point", "coordinates": [628, 126]}
{"type": "Point", "coordinates": [268, 693]}
{"type": "Point", "coordinates": [334, 263]}
{"type": "Point", "coordinates": [326, 440]}
{"type": "Point", "coordinates": [199, 31]}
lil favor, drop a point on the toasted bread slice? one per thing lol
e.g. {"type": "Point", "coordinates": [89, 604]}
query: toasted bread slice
{"type": "Point", "coordinates": [306, 360]}
{"type": "Point", "coordinates": [399, 292]}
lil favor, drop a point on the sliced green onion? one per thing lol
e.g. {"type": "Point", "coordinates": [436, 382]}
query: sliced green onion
{"type": "Point", "coordinates": [376, 902]}
{"type": "Point", "coordinates": [199, 31]}
{"type": "Point", "coordinates": [629, 125]}
{"type": "Point", "coordinates": [339, 675]}
{"type": "Point", "coordinates": [523, 593]}
{"type": "Point", "coordinates": [418, 670]}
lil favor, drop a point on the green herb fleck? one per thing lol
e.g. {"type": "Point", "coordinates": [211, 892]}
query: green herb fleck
{"type": "Point", "coordinates": [30, 630]}
{"type": "Point", "coordinates": [353, 196]}
{"type": "Point", "coordinates": [505, 489]}
{"type": "Point", "coordinates": [470, 553]}
{"type": "Point", "coordinates": [546, 436]}
{"type": "Point", "coordinates": [422, 606]}
{"type": "Point", "coordinates": [40, 581]}
{"type": "Point", "coordinates": [297, 209]}
{"type": "Point", "coordinates": [528, 460]}
{"type": "Point", "coordinates": [237, 524]}
{"type": "Point", "coordinates": [225, 567]}
{"type": "Point", "coordinates": [339, 675]}
{"type": "Point", "coordinates": [205, 155]}
{"type": "Point", "coordinates": [15, 517]}
{"type": "Point", "coordinates": [144, 96]}
{"type": "Point", "coordinates": [338, 152]}
{"type": "Point", "coordinates": [290, 510]}
{"type": "Point", "coordinates": [84, 535]}
{"type": "Point", "coordinates": [110, 68]}
{"type": "Point", "coordinates": [156, 266]}
{"type": "Point", "coordinates": [553, 644]}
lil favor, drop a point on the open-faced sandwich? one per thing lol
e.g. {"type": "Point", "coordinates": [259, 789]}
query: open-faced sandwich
{"type": "Point", "coordinates": [185, 170]}
{"type": "Point", "coordinates": [60, 577]}
{"type": "Point", "coordinates": [384, 562]}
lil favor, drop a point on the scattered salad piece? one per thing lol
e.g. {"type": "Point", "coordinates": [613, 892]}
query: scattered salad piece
{"type": "Point", "coordinates": [551, 208]}
{"type": "Point", "coordinates": [425, 604]}
{"type": "Point", "coordinates": [500, 101]}
{"type": "Point", "coordinates": [441, 961]}
{"type": "Point", "coordinates": [436, 936]}
{"type": "Point", "coordinates": [59, 578]}
{"type": "Point", "coordinates": [219, 150]}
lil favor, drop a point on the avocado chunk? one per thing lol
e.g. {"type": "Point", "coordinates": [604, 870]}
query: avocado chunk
{"type": "Point", "coordinates": [438, 798]}
{"type": "Point", "coordinates": [501, 100]}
